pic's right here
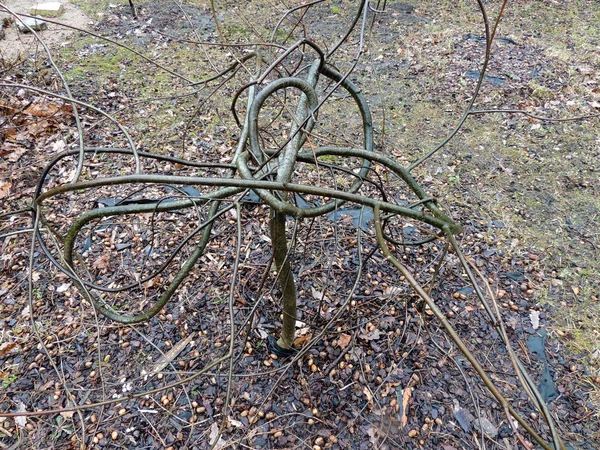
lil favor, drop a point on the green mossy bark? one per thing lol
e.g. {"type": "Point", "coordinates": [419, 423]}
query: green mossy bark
{"type": "Point", "coordinates": [286, 279]}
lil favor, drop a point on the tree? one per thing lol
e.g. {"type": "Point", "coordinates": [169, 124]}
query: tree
{"type": "Point", "coordinates": [288, 84]}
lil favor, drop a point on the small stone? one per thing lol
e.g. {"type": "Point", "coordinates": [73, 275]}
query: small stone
{"type": "Point", "coordinates": [51, 9]}
{"type": "Point", "coordinates": [29, 24]}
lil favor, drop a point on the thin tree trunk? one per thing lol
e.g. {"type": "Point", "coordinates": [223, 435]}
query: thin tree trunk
{"type": "Point", "coordinates": [286, 279]}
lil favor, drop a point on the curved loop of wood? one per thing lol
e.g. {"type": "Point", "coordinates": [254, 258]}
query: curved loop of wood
{"type": "Point", "coordinates": [268, 197]}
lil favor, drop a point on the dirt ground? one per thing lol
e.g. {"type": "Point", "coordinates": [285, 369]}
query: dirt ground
{"type": "Point", "coordinates": [16, 43]}
{"type": "Point", "coordinates": [383, 375]}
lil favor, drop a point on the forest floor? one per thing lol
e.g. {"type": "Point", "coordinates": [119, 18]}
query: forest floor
{"type": "Point", "coordinates": [383, 373]}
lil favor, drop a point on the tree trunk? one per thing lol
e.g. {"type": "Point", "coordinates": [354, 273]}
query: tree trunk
{"type": "Point", "coordinates": [286, 279]}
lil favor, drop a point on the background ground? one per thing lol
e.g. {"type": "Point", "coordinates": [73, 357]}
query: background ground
{"type": "Point", "coordinates": [526, 191]}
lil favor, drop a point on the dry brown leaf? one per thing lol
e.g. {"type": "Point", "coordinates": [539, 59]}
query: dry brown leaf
{"type": "Point", "coordinates": [406, 393]}
{"type": "Point", "coordinates": [4, 189]}
{"type": "Point", "coordinates": [368, 394]}
{"type": "Point", "coordinates": [575, 290]}
{"type": "Point", "coordinates": [103, 262]}
{"type": "Point", "coordinates": [7, 347]}
{"type": "Point", "coordinates": [343, 340]}
{"type": "Point", "coordinates": [164, 360]}
{"type": "Point", "coordinates": [303, 339]}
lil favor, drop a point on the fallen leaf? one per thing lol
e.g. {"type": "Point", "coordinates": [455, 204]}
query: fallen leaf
{"type": "Point", "coordinates": [319, 295]}
{"type": "Point", "coordinates": [534, 316]}
{"type": "Point", "coordinates": [4, 189]}
{"type": "Point", "coordinates": [488, 428]}
{"type": "Point", "coordinates": [164, 360]}
{"type": "Point", "coordinates": [262, 332]}
{"type": "Point", "coordinates": [368, 394]}
{"type": "Point", "coordinates": [215, 440]}
{"type": "Point", "coordinates": [236, 423]}
{"type": "Point", "coordinates": [512, 322]}
{"type": "Point", "coordinates": [63, 288]}
{"type": "Point", "coordinates": [393, 290]}
{"type": "Point", "coordinates": [406, 393]}
{"type": "Point", "coordinates": [103, 262]}
{"type": "Point", "coordinates": [25, 312]}
{"type": "Point", "coordinates": [463, 416]}
{"type": "Point", "coordinates": [372, 335]}
{"type": "Point", "coordinates": [21, 421]}
{"type": "Point", "coordinates": [303, 339]}
{"type": "Point", "coordinates": [372, 433]}
{"type": "Point", "coordinates": [343, 340]}
{"type": "Point", "coordinates": [575, 290]}
{"type": "Point", "coordinates": [7, 347]}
